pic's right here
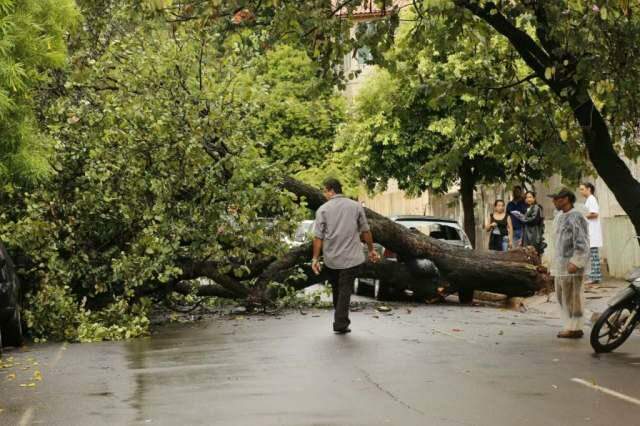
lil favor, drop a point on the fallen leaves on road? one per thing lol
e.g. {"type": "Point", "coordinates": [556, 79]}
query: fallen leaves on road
{"type": "Point", "coordinates": [383, 308]}
{"type": "Point", "coordinates": [7, 363]}
{"type": "Point", "coordinates": [37, 375]}
{"type": "Point", "coordinates": [28, 385]}
{"type": "Point", "coordinates": [11, 376]}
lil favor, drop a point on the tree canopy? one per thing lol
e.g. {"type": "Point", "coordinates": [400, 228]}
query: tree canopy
{"type": "Point", "coordinates": [434, 120]}
{"type": "Point", "coordinates": [32, 47]}
{"type": "Point", "coordinates": [171, 145]}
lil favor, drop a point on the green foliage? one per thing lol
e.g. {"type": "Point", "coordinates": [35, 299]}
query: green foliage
{"type": "Point", "coordinates": [585, 49]}
{"type": "Point", "coordinates": [311, 25]}
{"type": "Point", "coordinates": [32, 45]}
{"type": "Point", "coordinates": [157, 165]}
{"type": "Point", "coordinates": [297, 112]}
{"type": "Point", "coordinates": [445, 101]}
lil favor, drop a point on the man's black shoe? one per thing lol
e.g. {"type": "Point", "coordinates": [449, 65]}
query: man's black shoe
{"type": "Point", "coordinates": [343, 331]}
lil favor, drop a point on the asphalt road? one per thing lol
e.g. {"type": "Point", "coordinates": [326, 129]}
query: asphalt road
{"type": "Point", "coordinates": [419, 365]}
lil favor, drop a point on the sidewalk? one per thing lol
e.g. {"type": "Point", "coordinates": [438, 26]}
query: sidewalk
{"type": "Point", "coordinates": [596, 297]}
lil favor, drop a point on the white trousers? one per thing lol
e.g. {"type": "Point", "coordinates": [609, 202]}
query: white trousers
{"type": "Point", "coordinates": [571, 299]}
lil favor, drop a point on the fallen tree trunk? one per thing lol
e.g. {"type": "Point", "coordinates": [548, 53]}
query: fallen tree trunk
{"type": "Point", "coordinates": [514, 273]}
{"type": "Point", "coordinates": [397, 275]}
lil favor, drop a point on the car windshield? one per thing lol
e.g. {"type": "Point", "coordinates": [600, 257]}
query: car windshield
{"type": "Point", "coordinates": [439, 230]}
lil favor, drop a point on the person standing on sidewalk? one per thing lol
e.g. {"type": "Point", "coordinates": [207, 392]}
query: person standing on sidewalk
{"type": "Point", "coordinates": [500, 228]}
{"type": "Point", "coordinates": [340, 226]}
{"type": "Point", "coordinates": [588, 191]}
{"type": "Point", "coordinates": [533, 220]}
{"type": "Point", "coordinates": [570, 262]}
{"type": "Point", "coordinates": [517, 204]}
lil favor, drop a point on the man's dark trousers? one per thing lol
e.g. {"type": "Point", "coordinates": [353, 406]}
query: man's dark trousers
{"type": "Point", "coordinates": [341, 286]}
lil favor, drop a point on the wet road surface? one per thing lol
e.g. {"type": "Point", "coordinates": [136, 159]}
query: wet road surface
{"type": "Point", "coordinates": [418, 365]}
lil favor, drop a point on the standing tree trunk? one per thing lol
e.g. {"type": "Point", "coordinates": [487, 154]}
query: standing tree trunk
{"type": "Point", "coordinates": [605, 159]}
{"type": "Point", "coordinates": [545, 53]}
{"type": "Point", "coordinates": [467, 185]}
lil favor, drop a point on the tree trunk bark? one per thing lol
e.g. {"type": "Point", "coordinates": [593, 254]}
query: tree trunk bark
{"type": "Point", "coordinates": [515, 273]}
{"type": "Point", "coordinates": [605, 159]}
{"type": "Point", "coordinates": [397, 275]}
{"type": "Point", "coordinates": [467, 185]}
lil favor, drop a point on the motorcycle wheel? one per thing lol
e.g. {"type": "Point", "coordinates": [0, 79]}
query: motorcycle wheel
{"type": "Point", "coordinates": [612, 328]}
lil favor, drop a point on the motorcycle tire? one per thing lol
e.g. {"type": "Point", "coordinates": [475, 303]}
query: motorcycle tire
{"type": "Point", "coordinates": [611, 345]}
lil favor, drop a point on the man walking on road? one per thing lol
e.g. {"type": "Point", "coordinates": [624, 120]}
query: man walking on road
{"type": "Point", "coordinates": [570, 262]}
{"type": "Point", "coordinates": [340, 226]}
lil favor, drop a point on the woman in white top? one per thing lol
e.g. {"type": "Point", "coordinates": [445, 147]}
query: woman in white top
{"type": "Point", "coordinates": [587, 190]}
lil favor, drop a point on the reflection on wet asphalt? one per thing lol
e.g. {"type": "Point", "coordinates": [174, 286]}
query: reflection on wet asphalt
{"type": "Point", "coordinates": [435, 365]}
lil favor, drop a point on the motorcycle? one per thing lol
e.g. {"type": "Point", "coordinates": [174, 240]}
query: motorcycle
{"type": "Point", "coordinates": [618, 321]}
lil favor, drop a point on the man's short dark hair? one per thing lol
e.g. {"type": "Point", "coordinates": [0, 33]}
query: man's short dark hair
{"type": "Point", "coordinates": [332, 184]}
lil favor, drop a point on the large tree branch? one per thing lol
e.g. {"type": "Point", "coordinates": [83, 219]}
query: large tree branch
{"type": "Point", "coordinates": [507, 271]}
{"type": "Point", "coordinates": [550, 45]}
{"type": "Point", "coordinates": [210, 270]}
{"type": "Point", "coordinates": [207, 290]}
{"type": "Point", "coordinates": [514, 84]}
{"type": "Point", "coordinates": [529, 50]}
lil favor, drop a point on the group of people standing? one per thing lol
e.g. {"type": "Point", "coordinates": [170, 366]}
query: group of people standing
{"type": "Point", "coordinates": [578, 239]}
{"type": "Point", "coordinates": [341, 225]}
{"type": "Point", "coordinates": [520, 223]}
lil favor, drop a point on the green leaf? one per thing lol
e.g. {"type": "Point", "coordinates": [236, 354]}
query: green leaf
{"type": "Point", "coordinates": [549, 72]}
{"type": "Point", "coordinates": [564, 135]}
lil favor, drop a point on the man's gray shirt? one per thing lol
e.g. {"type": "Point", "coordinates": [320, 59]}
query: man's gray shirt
{"type": "Point", "coordinates": [339, 223]}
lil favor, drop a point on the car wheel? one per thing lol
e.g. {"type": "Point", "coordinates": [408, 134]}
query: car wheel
{"type": "Point", "coordinates": [357, 287]}
{"type": "Point", "coordinates": [12, 330]}
{"type": "Point", "coordinates": [380, 290]}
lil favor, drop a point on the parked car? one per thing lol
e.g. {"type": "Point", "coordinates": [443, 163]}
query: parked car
{"type": "Point", "coordinates": [447, 230]}
{"type": "Point", "coordinates": [10, 321]}
{"type": "Point", "coordinates": [302, 235]}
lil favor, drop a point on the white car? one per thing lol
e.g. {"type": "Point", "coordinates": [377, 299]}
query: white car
{"type": "Point", "coordinates": [447, 230]}
{"type": "Point", "coordinates": [302, 235]}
